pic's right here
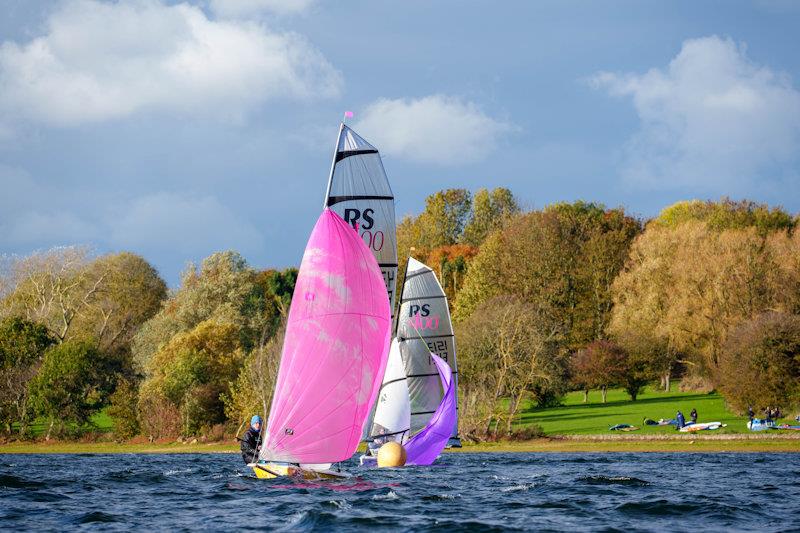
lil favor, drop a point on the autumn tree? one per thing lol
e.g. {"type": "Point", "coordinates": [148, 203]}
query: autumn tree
{"type": "Point", "coordinates": [223, 288]}
{"type": "Point", "coordinates": [563, 258]}
{"type": "Point", "coordinates": [450, 265]}
{"type": "Point", "coordinates": [490, 210]}
{"type": "Point", "coordinates": [598, 366]}
{"type": "Point", "coordinates": [727, 214]}
{"type": "Point", "coordinates": [760, 364]}
{"type": "Point", "coordinates": [688, 284]}
{"type": "Point", "coordinates": [193, 371]}
{"type": "Point", "coordinates": [130, 293]}
{"type": "Point", "coordinates": [51, 288]}
{"type": "Point", "coordinates": [444, 217]}
{"type": "Point", "coordinates": [508, 349]}
{"type": "Point", "coordinates": [76, 295]}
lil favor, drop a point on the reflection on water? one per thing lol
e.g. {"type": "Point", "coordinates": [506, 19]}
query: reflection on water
{"type": "Point", "coordinates": [484, 492]}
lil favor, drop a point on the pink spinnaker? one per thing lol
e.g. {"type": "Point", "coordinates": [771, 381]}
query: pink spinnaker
{"type": "Point", "coordinates": [424, 447]}
{"type": "Point", "coordinates": [335, 350]}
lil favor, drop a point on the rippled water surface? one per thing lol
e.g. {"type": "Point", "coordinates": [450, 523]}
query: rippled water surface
{"type": "Point", "coordinates": [476, 491]}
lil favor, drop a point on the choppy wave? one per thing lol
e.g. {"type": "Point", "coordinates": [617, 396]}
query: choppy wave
{"type": "Point", "coordinates": [481, 492]}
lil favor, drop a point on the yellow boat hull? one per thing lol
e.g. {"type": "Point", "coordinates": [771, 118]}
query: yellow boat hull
{"type": "Point", "coordinates": [274, 470]}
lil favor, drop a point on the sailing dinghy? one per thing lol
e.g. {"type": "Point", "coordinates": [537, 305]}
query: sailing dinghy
{"type": "Point", "coordinates": [334, 356]}
{"type": "Point", "coordinates": [417, 403]}
{"type": "Point", "coordinates": [424, 327]}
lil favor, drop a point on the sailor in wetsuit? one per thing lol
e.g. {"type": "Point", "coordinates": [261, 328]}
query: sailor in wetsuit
{"type": "Point", "coordinates": [251, 441]}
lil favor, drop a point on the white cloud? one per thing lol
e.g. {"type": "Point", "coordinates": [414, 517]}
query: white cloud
{"type": "Point", "coordinates": [168, 222]}
{"type": "Point", "coordinates": [710, 118]}
{"type": "Point", "coordinates": [435, 129]}
{"type": "Point", "coordinates": [99, 61]}
{"type": "Point", "coordinates": [251, 8]}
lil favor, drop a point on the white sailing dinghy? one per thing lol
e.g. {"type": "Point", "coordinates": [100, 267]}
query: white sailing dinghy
{"type": "Point", "coordinates": [423, 327]}
{"type": "Point", "coordinates": [334, 356]}
{"type": "Point", "coordinates": [412, 388]}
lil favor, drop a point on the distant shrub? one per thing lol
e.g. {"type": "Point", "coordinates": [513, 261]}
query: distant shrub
{"type": "Point", "coordinates": [124, 410]}
{"type": "Point", "coordinates": [159, 417]}
{"type": "Point", "coordinates": [534, 431]}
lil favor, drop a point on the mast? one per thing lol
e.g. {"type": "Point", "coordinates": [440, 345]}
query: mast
{"type": "Point", "coordinates": [400, 299]}
{"type": "Point", "coordinates": [333, 166]}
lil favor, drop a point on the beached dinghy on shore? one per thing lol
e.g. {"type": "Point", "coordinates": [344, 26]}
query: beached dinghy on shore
{"type": "Point", "coordinates": [702, 426]}
{"type": "Point", "coordinates": [334, 356]}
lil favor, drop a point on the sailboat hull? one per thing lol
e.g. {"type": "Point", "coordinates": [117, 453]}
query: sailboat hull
{"type": "Point", "coordinates": [276, 470]}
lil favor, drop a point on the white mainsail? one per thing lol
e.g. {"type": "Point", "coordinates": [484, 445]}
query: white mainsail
{"type": "Point", "coordinates": [392, 420]}
{"type": "Point", "coordinates": [423, 326]}
{"type": "Point", "coordinates": [359, 192]}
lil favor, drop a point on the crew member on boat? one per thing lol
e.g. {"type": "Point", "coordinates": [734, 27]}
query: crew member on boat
{"type": "Point", "coordinates": [251, 441]}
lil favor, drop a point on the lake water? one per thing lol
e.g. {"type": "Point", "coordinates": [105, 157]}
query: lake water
{"type": "Point", "coordinates": [468, 491]}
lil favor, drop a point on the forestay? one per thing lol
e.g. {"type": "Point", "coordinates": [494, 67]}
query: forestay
{"type": "Point", "coordinates": [359, 192]}
{"type": "Point", "coordinates": [423, 326]}
{"type": "Point", "coordinates": [334, 352]}
{"type": "Point", "coordinates": [392, 420]}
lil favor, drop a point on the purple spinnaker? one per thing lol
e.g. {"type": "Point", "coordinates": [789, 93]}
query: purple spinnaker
{"type": "Point", "coordinates": [334, 352]}
{"type": "Point", "coordinates": [424, 447]}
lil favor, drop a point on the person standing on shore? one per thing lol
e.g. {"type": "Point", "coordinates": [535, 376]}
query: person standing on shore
{"type": "Point", "coordinates": [693, 415]}
{"type": "Point", "coordinates": [680, 419]}
{"type": "Point", "coordinates": [750, 412]}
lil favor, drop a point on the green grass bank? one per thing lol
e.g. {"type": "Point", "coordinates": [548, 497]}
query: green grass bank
{"type": "Point", "coordinates": [594, 418]}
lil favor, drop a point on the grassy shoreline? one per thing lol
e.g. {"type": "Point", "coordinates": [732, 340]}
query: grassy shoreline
{"type": "Point", "coordinates": [586, 444]}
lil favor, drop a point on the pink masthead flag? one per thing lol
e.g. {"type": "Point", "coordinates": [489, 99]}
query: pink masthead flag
{"type": "Point", "coordinates": [348, 114]}
{"type": "Point", "coordinates": [335, 350]}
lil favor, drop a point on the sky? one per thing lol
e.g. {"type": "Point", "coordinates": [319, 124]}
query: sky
{"type": "Point", "coordinates": [176, 129]}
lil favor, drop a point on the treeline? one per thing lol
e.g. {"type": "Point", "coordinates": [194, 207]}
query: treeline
{"type": "Point", "coordinates": [574, 296]}
{"type": "Point", "coordinates": [81, 333]}
{"type": "Point", "coordinates": [577, 297]}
